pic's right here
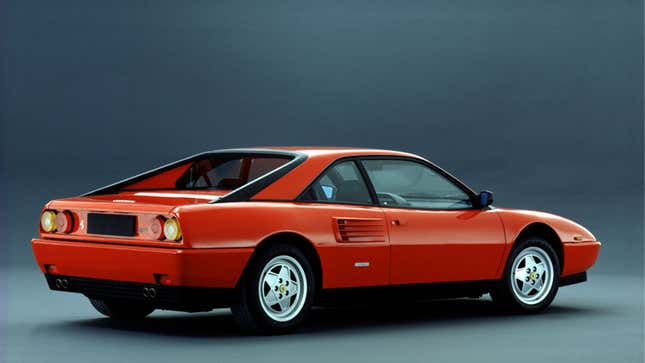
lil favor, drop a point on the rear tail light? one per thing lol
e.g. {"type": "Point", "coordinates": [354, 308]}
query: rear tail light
{"type": "Point", "coordinates": [48, 221]}
{"type": "Point", "coordinates": [171, 229]}
{"type": "Point", "coordinates": [155, 231]}
{"type": "Point", "coordinates": [155, 228]}
{"type": "Point", "coordinates": [51, 221]}
{"type": "Point", "coordinates": [64, 222]}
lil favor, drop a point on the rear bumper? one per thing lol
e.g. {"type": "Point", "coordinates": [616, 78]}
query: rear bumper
{"type": "Point", "coordinates": [180, 298]}
{"type": "Point", "coordinates": [212, 268]}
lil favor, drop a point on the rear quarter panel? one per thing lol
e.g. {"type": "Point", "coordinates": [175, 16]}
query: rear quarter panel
{"type": "Point", "coordinates": [246, 224]}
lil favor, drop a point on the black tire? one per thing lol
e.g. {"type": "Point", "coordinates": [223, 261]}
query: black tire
{"type": "Point", "coordinates": [504, 294]}
{"type": "Point", "coordinates": [121, 309]}
{"type": "Point", "coordinates": [248, 310]}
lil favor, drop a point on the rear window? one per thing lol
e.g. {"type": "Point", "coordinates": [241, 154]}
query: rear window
{"type": "Point", "coordinates": [228, 172]}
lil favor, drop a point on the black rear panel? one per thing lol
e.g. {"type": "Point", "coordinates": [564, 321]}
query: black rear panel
{"type": "Point", "coordinates": [111, 224]}
{"type": "Point", "coordinates": [181, 298]}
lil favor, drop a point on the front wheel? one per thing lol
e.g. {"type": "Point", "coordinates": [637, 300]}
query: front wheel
{"type": "Point", "coordinates": [276, 291]}
{"type": "Point", "coordinates": [531, 277]}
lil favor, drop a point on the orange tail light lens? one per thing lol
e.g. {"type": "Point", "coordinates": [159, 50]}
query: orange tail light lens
{"type": "Point", "coordinates": [48, 221]}
{"type": "Point", "coordinates": [172, 230]}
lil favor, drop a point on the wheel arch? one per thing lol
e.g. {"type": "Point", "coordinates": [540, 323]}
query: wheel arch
{"type": "Point", "coordinates": [296, 240]}
{"type": "Point", "coordinates": [543, 230]}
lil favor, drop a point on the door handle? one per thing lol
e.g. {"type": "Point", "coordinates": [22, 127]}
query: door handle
{"type": "Point", "coordinates": [395, 222]}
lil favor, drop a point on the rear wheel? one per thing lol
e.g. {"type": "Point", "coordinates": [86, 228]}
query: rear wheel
{"type": "Point", "coordinates": [531, 277]}
{"type": "Point", "coordinates": [276, 292]}
{"type": "Point", "coordinates": [121, 309]}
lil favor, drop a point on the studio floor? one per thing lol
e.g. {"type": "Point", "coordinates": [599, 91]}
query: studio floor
{"type": "Point", "coordinates": [597, 321]}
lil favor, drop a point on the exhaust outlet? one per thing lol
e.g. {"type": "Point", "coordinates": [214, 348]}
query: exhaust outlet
{"type": "Point", "coordinates": [149, 292]}
{"type": "Point", "coordinates": [62, 284]}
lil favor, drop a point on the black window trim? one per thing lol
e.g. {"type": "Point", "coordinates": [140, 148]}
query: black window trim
{"type": "Point", "coordinates": [235, 156]}
{"type": "Point", "coordinates": [243, 193]}
{"type": "Point", "coordinates": [248, 190]}
{"type": "Point", "coordinates": [358, 160]}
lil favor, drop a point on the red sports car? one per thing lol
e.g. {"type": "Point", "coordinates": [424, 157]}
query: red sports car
{"type": "Point", "coordinates": [272, 231]}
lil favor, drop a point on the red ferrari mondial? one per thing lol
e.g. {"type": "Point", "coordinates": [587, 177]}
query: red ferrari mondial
{"type": "Point", "coordinates": [270, 232]}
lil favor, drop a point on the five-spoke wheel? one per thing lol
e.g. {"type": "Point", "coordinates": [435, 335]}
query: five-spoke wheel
{"type": "Point", "coordinates": [282, 288]}
{"type": "Point", "coordinates": [276, 290]}
{"type": "Point", "coordinates": [531, 276]}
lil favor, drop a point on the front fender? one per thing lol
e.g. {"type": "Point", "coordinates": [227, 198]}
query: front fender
{"type": "Point", "coordinates": [515, 221]}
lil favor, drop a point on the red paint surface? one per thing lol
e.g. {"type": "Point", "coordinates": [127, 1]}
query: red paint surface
{"type": "Point", "coordinates": [413, 246]}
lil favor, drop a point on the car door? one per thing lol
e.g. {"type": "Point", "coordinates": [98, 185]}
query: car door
{"type": "Point", "coordinates": [353, 247]}
{"type": "Point", "coordinates": [436, 233]}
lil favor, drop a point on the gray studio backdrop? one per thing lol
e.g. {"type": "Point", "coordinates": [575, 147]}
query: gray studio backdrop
{"type": "Point", "coordinates": [538, 101]}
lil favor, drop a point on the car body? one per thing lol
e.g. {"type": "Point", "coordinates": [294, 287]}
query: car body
{"type": "Point", "coordinates": [357, 218]}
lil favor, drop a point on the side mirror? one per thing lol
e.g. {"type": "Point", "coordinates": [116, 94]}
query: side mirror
{"type": "Point", "coordinates": [485, 199]}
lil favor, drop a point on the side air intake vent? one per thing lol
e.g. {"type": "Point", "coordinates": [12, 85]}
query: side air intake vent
{"type": "Point", "coordinates": [360, 229]}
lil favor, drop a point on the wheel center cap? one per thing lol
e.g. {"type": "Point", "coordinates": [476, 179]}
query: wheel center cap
{"type": "Point", "coordinates": [533, 276]}
{"type": "Point", "coordinates": [282, 288]}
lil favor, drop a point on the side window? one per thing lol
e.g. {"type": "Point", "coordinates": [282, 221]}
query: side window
{"type": "Point", "coordinates": [342, 183]}
{"type": "Point", "coordinates": [261, 166]}
{"type": "Point", "coordinates": [414, 185]}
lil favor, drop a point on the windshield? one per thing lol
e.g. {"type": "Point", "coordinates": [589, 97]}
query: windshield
{"type": "Point", "coordinates": [228, 172]}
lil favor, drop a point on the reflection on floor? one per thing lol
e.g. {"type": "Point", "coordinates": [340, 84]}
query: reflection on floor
{"type": "Point", "coordinates": [45, 324]}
